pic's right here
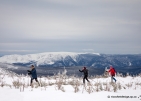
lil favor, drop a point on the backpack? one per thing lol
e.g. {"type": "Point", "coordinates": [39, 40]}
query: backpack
{"type": "Point", "coordinates": [85, 72]}
{"type": "Point", "coordinates": [114, 70]}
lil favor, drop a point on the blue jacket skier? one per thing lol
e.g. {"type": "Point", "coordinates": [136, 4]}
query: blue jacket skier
{"type": "Point", "coordinates": [33, 74]}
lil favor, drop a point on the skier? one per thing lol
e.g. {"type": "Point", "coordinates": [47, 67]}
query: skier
{"type": "Point", "coordinates": [33, 74]}
{"type": "Point", "coordinates": [112, 73]}
{"type": "Point", "coordinates": [85, 71]}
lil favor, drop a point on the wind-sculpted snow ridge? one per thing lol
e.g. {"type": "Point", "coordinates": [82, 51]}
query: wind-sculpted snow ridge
{"type": "Point", "coordinates": [6, 72]}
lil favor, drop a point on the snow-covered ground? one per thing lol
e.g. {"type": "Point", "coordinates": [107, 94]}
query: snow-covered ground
{"type": "Point", "coordinates": [63, 88]}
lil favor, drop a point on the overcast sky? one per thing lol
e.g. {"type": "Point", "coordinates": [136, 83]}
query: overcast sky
{"type": "Point", "coordinates": [101, 26]}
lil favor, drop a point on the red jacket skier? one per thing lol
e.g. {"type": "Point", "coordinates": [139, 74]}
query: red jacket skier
{"type": "Point", "coordinates": [112, 73]}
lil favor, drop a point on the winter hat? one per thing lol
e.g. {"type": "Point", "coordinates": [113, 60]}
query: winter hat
{"type": "Point", "coordinates": [111, 67]}
{"type": "Point", "coordinates": [84, 67]}
{"type": "Point", "coordinates": [32, 66]}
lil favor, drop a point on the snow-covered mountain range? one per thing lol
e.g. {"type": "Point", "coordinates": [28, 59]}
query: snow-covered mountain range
{"type": "Point", "coordinates": [45, 59]}
{"type": "Point", "coordinates": [68, 59]}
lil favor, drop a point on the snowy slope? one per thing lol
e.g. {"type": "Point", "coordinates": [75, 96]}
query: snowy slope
{"type": "Point", "coordinates": [130, 90]}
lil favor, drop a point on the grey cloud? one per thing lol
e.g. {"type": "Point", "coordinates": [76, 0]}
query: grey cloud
{"type": "Point", "coordinates": [71, 25]}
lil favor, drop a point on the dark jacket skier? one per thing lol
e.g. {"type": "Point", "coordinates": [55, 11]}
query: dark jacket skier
{"type": "Point", "coordinates": [33, 74]}
{"type": "Point", "coordinates": [85, 71]}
